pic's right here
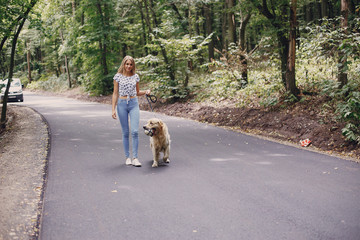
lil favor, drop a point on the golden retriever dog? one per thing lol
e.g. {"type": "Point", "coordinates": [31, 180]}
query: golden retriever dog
{"type": "Point", "coordinates": [159, 140]}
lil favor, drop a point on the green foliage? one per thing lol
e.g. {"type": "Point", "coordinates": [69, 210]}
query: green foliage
{"type": "Point", "coordinates": [316, 73]}
{"type": "Point", "coordinates": [317, 70]}
{"type": "Point", "coordinates": [180, 53]}
{"type": "Point", "coordinates": [155, 73]}
{"type": "Point", "coordinates": [225, 78]}
{"type": "Point", "coordinates": [332, 41]}
{"type": "Point", "coordinates": [128, 28]}
{"type": "Point", "coordinates": [349, 110]}
{"type": "Point", "coordinates": [263, 89]}
{"type": "Point", "coordinates": [50, 83]}
{"type": "Point", "coordinates": [96, 83]}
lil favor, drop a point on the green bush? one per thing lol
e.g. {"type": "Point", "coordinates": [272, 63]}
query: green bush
{"type": "Point", "coordinates": [171, 78]}
{"type": "Point", "coordinates": [50, 83]}
{"type": "Point", "coordinates": [349, 111]}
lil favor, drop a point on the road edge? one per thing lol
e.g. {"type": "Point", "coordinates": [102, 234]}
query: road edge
{"type": "Point", "coordinates": [40, 209]}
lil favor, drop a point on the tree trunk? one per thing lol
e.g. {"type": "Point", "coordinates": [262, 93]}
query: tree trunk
{"type": "Point", "coordinates": [147, 16]}
{"type": "Point", "coordinates": [66, 61]}
{"type": "Point", "coordinates": [12, 62]}
{"type": "Point", "coordinates": [11, 70]}
{"type": "Point", "coordinates": [103, 40]}
{"type": "Point", "coordinates": [283, 43]}
{"type": "Point", "coordinates": [317, 10]}
{"type": "Point", "coordinates": [290, 71]}
{"type": "Point", "coordinates": [231, 21]}
{"type": "Point", "coordinates": [342, 77]}
{"type": "Point", "coordinates": [28, 58]}
{"type": "Point", "coordinates": [244, 72]}
{"type": "Point", "coordinates": [3, 68]}
{"type": "Point", "coordinates": [242, 31]}
{"type": "Point", "coordinates": [73, 8]}
{"type": "Point", "coordinates": [224, 18]}
{"type": "Point", "coordinates": [189, 17]}
{"type": "Point", "coordinates": [106, 37]}
{"type": "Point", "coordinates": [190, 63]}
{"type": "Point", "coordinates": [198, 14]}
{"type": "Point", "coordinates": [67, 71]}
{"type": "Point", "coordinates": [324, 9]}
{"type": "Point", "coordinates": [208, 30]}
{"type": "Point", "coordinates": [143, 25]}
{"type": "Point", "coordinates": [163, 50]}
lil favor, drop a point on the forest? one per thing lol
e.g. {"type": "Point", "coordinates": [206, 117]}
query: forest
{"type": "Point", "coordinates": [255, 53]}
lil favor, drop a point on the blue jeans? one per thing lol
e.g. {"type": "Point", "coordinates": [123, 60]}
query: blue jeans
{"type": "Point", "coordinates": [129, 110]}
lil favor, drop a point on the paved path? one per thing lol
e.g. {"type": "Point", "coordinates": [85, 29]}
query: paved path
{"type": "Point", "coordinates": [219, 185]}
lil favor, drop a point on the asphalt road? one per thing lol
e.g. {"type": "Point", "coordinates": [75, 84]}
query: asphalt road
{"type": "Point", "coordinates": [219, 184]}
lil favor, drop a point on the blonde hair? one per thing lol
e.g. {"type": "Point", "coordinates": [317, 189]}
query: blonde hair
{"type": "Point", "coordinates": [122, 66]}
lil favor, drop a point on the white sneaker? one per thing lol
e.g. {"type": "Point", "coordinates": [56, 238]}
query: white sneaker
{"type": "Point", "coordinates": [128, 161]}
{"type": "Point", "coordinates": [136, 163]}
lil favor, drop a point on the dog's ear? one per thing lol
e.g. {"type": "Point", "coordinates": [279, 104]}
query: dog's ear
{"type": "Point", "coordinates": [161, 124]}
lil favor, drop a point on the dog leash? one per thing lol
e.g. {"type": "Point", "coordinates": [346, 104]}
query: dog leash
{"type": "Point", "coordinates": [151, 99]}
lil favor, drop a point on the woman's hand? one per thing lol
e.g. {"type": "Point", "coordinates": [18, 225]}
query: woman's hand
{"type": "Point", "coordinates": [147, 92]}
{"type": "Point", "coordinates": [113, 114]}
{"type": "Point", "coordinates": [115, 98]}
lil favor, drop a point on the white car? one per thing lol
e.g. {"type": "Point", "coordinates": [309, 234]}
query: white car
{"type": "Point", "coordinates": [15, 91]}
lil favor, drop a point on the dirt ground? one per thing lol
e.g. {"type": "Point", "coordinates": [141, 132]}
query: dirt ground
{"type": "Point", "coordinates": [308, 119]}
{"type": "Point", "coordinates": [23, 161]}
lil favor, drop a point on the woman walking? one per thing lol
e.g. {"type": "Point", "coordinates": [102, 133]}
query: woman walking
{"type": "Point", "coordinates": [126, 90]}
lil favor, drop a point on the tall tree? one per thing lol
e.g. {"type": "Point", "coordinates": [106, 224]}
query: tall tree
{"type": "Point", "coordinates": [29, 43]}
{"type": "Point", "coordinates": [103, 12]}
{"type": "Point", "coordinates": [66, 62]}
{"type": "Point", "coordinates": [342, 65]}
{"type": "Point", "coordinates": [143, 25]}
{"type": "Point", "coordinates": [28, 58]}
{"type": "Point", "coordinates": [96, 36]}
{"type": "Point", "coordinates": [278, 17]}
{"type": "Point", "coordinates": [324, 8]}
{"type": "Point", "coordinates": [230, 5]}
{"type": "Point", "coordinates": [245, 18]}
{"type": "Point", "coordinates": [209, 28]}
{"type": "Point", "coordinates": [150, 10]}
{"type": "Point", "coordinates": [224, 24]}
{"type": "Point", "coordinates": [19, 26]}
{"type": "Point", "coordinates": [290, 71]}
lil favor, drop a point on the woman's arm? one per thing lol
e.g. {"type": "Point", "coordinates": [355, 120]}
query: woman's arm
{"type": "Point", "coordinates": [141, 93]}
{"type": "Point", "coordinates": [115, 98]}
